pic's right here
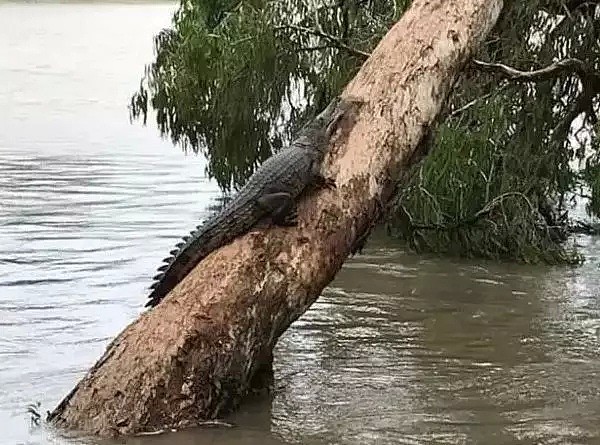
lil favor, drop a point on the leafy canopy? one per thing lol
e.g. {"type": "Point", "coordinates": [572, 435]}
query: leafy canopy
{"type": "Point", "coordinates": [231, 78]}
{"type": "Point", "coordinates": [234, 80]}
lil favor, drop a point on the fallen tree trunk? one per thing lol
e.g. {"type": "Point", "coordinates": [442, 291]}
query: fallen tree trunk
{"type": "Point", "coordinates": [193, 357]}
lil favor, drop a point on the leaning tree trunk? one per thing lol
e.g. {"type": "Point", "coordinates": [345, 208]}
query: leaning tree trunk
{"type": "Point", "coordinates": [193, 357]}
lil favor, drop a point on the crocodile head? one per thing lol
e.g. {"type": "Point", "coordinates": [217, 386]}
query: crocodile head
{"type": "Point", "coordinates": [322, 126]}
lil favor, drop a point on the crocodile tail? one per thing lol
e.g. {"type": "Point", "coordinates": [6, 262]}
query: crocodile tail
{"type": "Point", "coordinates": [215, 232]}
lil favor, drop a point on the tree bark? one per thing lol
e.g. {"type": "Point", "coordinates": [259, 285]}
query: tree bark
{"type": "Point", "coordinates": [193, 357]}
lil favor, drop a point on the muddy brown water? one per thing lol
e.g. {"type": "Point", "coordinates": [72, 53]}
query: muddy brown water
{"type": "Point", "coordinates": [399, 349]}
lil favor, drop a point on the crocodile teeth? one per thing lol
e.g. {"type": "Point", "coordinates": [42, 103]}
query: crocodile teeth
{"type": "Point", "coordinates": [158, 277]}
{"type": "Point", "coordinates": [168, 259]}
{"type": "Point", "coordinates": [163, 267]}
{"type": "Point", "coordinates": [154, 285]}
{"type": "Point", "coordinates": [174, 252]}
{"type": "Point", "coordinates": [179, 245]}
{"type": "Point", "coordinates": [185, 238]}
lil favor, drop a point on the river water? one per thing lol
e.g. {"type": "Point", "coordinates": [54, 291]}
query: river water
{"type": "Point", "coordinates": [399, 349]}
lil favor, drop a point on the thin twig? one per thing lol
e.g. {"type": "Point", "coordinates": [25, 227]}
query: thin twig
{"type": "Point", "coordinates": [315, 48]}
{"type": "Point", "coordinates": [476, 101]}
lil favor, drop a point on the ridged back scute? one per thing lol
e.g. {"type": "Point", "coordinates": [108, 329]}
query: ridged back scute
{"type": "Point", "coordinates": [289, 170]}
{"type": "Point", "coordinates": [218, 230]}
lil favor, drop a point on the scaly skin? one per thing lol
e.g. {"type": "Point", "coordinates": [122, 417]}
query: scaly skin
{"type": "Point", "coordinates": [272, 190]}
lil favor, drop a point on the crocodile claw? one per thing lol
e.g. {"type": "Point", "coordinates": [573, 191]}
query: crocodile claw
{"type": "Point", "coordinates": [324, 182]}
{"type": "Point", "coordinates": [291, 219]}
{"type": "Point", "coordinates": [329, 183]}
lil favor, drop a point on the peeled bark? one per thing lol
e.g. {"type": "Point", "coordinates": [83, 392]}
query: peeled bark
{"type": "Point", "coordinates": [193, 357]}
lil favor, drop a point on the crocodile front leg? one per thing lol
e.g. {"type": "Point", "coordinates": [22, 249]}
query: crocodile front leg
{"type": "Point", "coordinates": [318, 181]}
{"type": "Point", "coordinates": [281, 207]}
{"type": "Point", "coordinates": [324, 182]}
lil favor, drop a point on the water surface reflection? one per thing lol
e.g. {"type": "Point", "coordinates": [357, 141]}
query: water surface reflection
{"type": "Point", "coordinates": [399, 349]}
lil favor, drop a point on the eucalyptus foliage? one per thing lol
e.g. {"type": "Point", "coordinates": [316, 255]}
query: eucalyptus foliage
{"type": "Point", "coordinates": [234, 80]}
{"type": "Point", "coordinates": [503, 168]}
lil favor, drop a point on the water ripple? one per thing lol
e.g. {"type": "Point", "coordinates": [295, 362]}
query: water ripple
{"type": "Point", "coordinates": [400, 348]}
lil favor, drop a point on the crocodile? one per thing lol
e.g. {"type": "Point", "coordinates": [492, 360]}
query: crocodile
{"type": "Point", "coordinates": [272, 191]}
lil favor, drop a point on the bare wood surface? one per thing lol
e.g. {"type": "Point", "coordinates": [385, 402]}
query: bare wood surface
{"type": "Point", "coordinates": [193, 357]}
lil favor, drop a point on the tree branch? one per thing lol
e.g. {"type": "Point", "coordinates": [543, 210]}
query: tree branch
{"type": "Point", "coordinates": [569, 7]}
{"type": "Point", "coordinates": [566, 66]}
{"type": "Point", "coordinates": [337, 42]}
{"type": "Point", "coordinates": [590, 81]}
{"type": "Point", "coordinates": [572, 5]}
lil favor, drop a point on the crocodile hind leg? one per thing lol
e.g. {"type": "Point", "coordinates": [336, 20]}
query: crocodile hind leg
{"type": "Point", "coordinates": [281, 207]}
